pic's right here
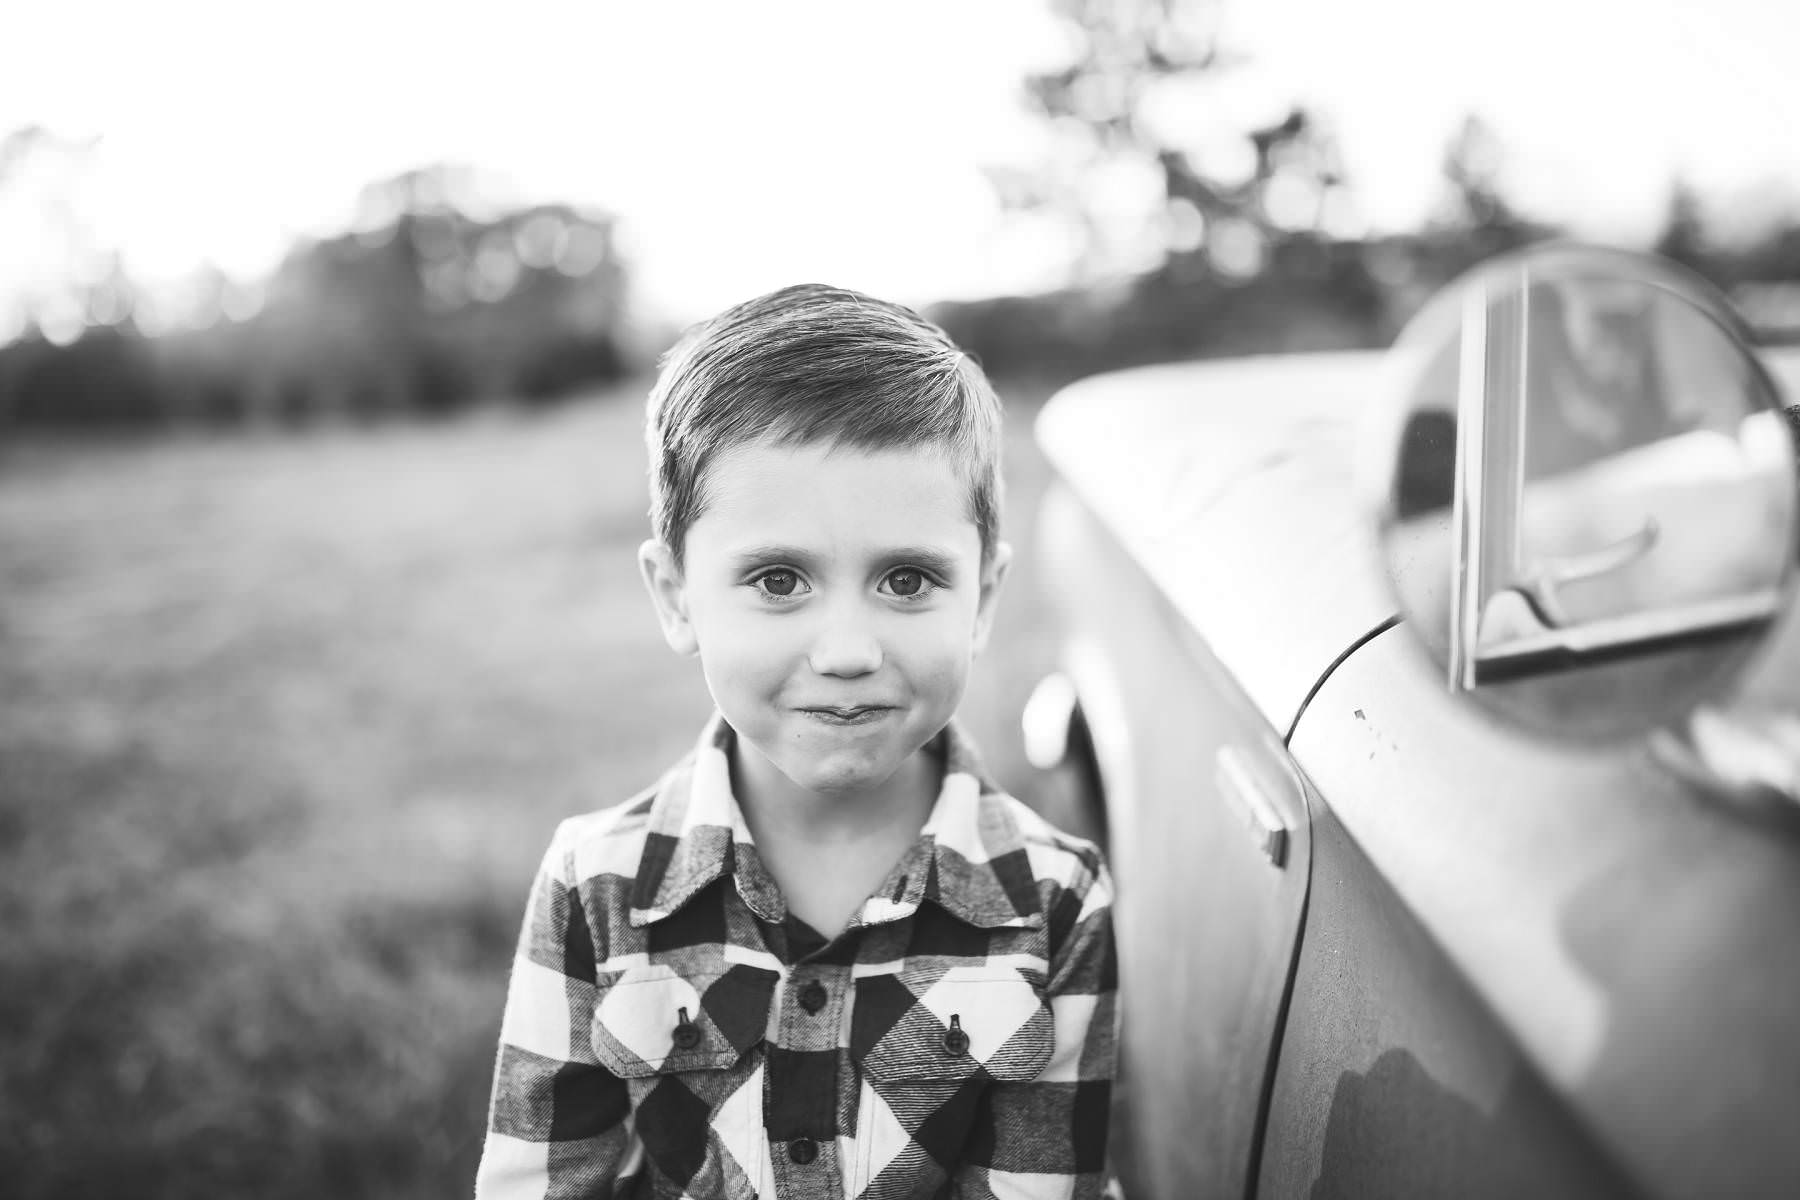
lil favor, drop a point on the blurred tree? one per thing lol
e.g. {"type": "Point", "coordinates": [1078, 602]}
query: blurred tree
{"type": "Point", "coordinates": [437, 298]}
{"type": "Point", "coordinates": [1475, 220]}
{"type": "Point", "coordinates": [1202, 231]}
{"type": "Point", "coordinates": [1683, 237]}
{"type": "Point", "coordinates": [1473, 165]}
{"type": "Point", "coordinates": [62, 283]}
{"type": "Point", "coordinates": [49, 247]}
{"type": "Point", "coordinates": [1144, 158]}
{"type": "Point", "coordinates": [1774, 256]}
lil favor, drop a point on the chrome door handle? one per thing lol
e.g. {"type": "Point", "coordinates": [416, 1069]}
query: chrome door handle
{"type": "Point", "coordinates": [1540, 582]}
{"type": "Point", "coordinates": [1243, 785]}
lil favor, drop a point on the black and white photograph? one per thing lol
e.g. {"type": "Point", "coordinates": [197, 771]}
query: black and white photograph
{"type": "Point", "coordinates": [808, 600]}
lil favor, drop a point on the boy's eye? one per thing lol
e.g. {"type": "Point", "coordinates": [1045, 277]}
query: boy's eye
{"type": "Point", "coordinates": [909, 582]}
{"type": "Point", "coordinates": [777, 583]}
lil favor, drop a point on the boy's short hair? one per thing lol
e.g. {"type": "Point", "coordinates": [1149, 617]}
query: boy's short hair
{"type": "Point", "coordinates": [809, 364]}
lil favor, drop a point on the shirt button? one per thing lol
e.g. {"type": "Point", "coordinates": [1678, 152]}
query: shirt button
{"type": "Point", "coordinates": [803, 1150]}
{"type": "Point", "coordinates": [956, 1042]}
{"type": "Point", "coordinates": [687, 1034]}
{"type": "Point", "coordinates": [813, 997]}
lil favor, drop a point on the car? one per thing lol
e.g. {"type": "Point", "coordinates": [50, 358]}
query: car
{"type": "Point", "coordinates": [1439, 711]}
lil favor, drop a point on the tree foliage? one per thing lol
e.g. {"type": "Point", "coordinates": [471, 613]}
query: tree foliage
{"type": "Point", "coordinates": [1472, 168]}
{"type": "Point", "coordinates": [1138, 108]}
{"type": "Point", "coordinates": [431, 303]}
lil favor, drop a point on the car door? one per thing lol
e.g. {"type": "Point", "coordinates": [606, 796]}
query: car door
{"type": "Point", "coordinates": [1210, 842]}
{"type": "Point", "coordinates": [1399, 1075]}
{"type": "Point", "coordinates": [1209, 847]}
{"type": "Point", "coordinates": [1535, 965]}
{"type": "Point", "coordinates": [1204, 638]}
{"type": "Point", "coordinates": [1530, 969]}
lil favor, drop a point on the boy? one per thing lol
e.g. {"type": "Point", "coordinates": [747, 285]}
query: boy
{"type": "Point", "coordinates": [822, 957]}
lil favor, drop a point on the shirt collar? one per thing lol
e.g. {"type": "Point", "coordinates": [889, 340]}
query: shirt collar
{"type": "Point", "coordinates": [970, 858]}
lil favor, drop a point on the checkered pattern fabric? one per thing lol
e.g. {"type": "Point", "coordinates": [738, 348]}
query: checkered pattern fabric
{"type": "Point", "coordinates": [672, 1031]}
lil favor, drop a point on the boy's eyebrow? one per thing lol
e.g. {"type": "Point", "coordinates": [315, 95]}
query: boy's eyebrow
{"type": "Point", "coordinates": [750, 556]}
{"type": "Point", "coordinates": [930, 557]}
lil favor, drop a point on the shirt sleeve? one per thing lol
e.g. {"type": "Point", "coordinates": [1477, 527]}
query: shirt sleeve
{"type": "Point", "coordinates": [1046, 1137]}
{"type": "Point", "coordinates": [558, 1121]}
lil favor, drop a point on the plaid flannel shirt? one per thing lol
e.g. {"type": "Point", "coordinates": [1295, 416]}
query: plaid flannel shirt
{"type": "Point", "coordinates": [672, 1031]}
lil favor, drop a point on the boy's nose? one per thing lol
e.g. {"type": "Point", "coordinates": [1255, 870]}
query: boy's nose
{"type": "Point", "coordinates": [845, 650]}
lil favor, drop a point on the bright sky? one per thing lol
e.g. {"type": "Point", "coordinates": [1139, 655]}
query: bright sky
{"type": "Point", "coordinates": [748, 145]}
{"type": "Point", "coordinates": [1598, 102]}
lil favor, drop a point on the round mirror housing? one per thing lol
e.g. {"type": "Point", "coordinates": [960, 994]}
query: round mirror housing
{"type": "Point", "coordinates": [1585, 489]}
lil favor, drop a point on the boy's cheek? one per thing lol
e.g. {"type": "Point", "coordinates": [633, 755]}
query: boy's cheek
{"type": "Point", "coordinates": [943, 673]}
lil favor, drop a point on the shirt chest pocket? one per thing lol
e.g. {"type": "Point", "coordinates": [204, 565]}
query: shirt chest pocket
{"type": "Point", "coordinates": [967, 1022]}
{"type": "Point", "coordinates": [656, 1020]}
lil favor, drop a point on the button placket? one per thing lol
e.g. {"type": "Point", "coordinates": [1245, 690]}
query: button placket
{"type": "Point", "coordinates": [812, 1013]}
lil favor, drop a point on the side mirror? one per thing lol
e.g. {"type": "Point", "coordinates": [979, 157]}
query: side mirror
{"type": "Point", "coordinates": [1585, 487]}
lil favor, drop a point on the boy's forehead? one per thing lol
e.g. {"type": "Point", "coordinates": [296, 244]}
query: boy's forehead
{"type": "Point", "coordinates": [771, 492]}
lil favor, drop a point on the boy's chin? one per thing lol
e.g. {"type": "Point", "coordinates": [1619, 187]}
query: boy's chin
{"type": "Point", "coordinates": [841, 775]}
{"type": "Point", "coordinates": [842, 772]}
{"type": "Point", "coordinates": [837, 763]}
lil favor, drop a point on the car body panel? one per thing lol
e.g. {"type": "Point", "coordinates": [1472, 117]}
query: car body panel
{"type": "Point", "coordinates": [1563, 958]}
{"type": "Point", "coordinates": [1246, 470]}
{"type": "Point", "coordinates": [1635, 938]}
{"type": "Point", "coordinates": [1395, 1078]}
{"type": "Point", "coordinates": [1202, 983]}
{"type": "Point", "coordinates": [1193, 467]}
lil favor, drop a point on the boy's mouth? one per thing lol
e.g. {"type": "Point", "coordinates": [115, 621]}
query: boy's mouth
{"type": "Point", "coordinates": [860, 714]}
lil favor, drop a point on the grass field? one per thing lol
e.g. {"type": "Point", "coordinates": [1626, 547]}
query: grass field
{"type": "Point", "coordinates": [284, 726]}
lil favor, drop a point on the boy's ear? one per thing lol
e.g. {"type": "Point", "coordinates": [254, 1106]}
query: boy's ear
{"type": "Point", "coordinates": [668, 595]}
{"type": "Point", "coordinates": [993, 576]}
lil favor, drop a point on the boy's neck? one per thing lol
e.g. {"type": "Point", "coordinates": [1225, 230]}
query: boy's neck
{"type": "Point", "coordinates": [828, 852]}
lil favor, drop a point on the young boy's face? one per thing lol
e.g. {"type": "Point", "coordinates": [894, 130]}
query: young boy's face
{"type": "Point", "coordinates": [836, 598]}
